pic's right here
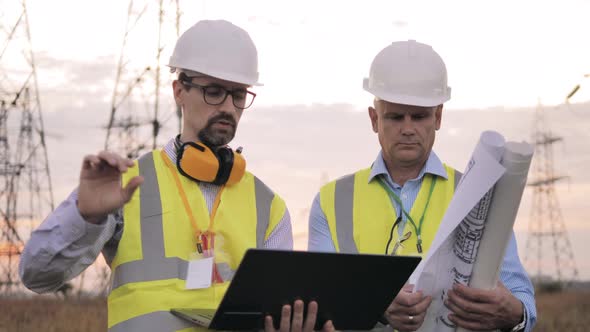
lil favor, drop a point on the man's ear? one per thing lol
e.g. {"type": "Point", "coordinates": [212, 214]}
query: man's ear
{"type": "Point", "coordinates": [438, 115]}
{"type": "Point", "coordinates": [177, 89]}
{"type": "Point", "coordinates": [374, 118]}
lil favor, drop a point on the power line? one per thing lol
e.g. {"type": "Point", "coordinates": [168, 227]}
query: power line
{"type": "Point", "coordinates": [548, 238]}
{"type": "Point", "coordinates": [25, 189]}
{"type": "Point", "coordinates": [133, 129]}
{"type": "Point", "coordinates": [137, 114]}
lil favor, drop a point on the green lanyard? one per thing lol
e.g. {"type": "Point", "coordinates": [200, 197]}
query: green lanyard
{"type": "Point", "coordinates": [393, 196]}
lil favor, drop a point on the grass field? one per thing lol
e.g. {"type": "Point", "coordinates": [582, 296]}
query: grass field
{"type": "Point", "coordinates": [52, 315]}
{"type": "Point", "coordinates": [565, 311]}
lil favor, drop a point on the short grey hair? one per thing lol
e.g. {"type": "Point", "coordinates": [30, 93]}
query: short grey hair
{"type": "Point", "coordinates": [188, 73]}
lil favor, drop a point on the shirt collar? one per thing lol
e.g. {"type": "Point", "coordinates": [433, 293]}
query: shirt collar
{"type": "Point", "coordinates": [433, 166]}
{"type": "Point", "coordinates": [171, 148]}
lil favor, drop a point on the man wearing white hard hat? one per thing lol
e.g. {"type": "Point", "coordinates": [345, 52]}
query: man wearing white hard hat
{"type": "Point", "coordinates": [395, 206]}
{"type": "Point", "coordinates": [195, 196]}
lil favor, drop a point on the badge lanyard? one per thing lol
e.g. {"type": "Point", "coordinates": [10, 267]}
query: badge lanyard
{"type": "Point", "coordinates": [417, 228]}
{"type": "Point", "coordinates": [205, 240]}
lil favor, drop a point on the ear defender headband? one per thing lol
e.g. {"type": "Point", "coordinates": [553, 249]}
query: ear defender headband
{"type": "Point", "coordinates": [199, 163]}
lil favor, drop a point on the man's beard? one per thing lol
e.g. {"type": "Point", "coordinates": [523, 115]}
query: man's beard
{"type": "Point", "coordinates": [213, 137]}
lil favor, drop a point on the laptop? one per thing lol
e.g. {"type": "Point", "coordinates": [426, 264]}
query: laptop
{"type": "Point", "coordinates": [352, 290]}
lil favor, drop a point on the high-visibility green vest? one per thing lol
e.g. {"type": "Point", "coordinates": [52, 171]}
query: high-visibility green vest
{"type": "Point", "coordinates": [150, 267]}
{"type": "Point", "coordinates": [360, 213]}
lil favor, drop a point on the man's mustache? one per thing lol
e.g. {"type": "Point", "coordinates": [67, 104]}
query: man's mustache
{"type": "Point", "coordinates": [222, 117]}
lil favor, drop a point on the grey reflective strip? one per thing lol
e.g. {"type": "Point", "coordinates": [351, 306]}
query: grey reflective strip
{"type": "Point", "coordinates": [343, 206]}
{"type": "Point", "coordinates": [264, 197]}
{"type": "Point", "coordinates": [225, 272]}
{"type": "Point", "coordinates": [154, 266]}
{"type": "Point", "coordinates": [458, 176]}
{"type": "Point", "coordinates": [150, 269]}
{"type": "Point", "coordinates": [161, 321]}
{"type": "Point", "coordinates": [150, 214]}
{"type": "Point", "coordinates": [167, 268]}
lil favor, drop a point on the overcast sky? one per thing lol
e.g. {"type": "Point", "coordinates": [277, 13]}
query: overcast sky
{"type": "Point", "coordinates": [497, 52]}
{"type": "Point", "coordinates": [313, 58]}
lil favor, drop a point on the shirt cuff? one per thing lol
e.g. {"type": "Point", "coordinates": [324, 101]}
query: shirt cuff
{"type": "Point", "coordinates": [77, 229]}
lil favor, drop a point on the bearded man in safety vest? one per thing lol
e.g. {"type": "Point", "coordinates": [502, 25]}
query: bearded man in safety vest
{"type": "Point", "coordinates": [195, 196]}
{"type": "Point", "coordinates": [395, 206]}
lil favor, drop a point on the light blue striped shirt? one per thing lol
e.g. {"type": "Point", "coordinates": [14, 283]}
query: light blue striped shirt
{"type": "Point", "coordinates": [410, 189]}
{"type": "Point", "coordinates": [512, 273]}
{"type": "Point", "coordinates": [65, 244]}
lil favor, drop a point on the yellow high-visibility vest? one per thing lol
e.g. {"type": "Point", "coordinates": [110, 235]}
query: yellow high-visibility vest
{"type": "Point", "coordinates": [360, 213]}
{"type": "Point", "coordinates": [150, 266]}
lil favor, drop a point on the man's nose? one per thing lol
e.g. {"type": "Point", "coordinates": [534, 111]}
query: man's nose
{"type": "Point", "coordinates": [407, 125]}
{"type": "Point", "coordinates": [228, 105]}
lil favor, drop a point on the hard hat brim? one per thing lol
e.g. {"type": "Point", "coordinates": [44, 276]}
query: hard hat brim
{"type": "Point", "coordinates": [406, 99]}
{"type": "Point", "coordinates": [219, 75]}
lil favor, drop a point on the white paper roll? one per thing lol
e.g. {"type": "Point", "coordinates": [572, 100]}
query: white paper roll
{"type": "Point", "coordinates": [501, 216]}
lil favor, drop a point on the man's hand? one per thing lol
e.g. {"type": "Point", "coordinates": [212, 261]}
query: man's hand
{"type": "Point", "coordinates": [407, 311]}
{"type": "Point", "coordinates": [297, 324]}
{"type": "Point", "coordinates": [100, 191]}
{"type": "Point", "coordinates": [478, 309]}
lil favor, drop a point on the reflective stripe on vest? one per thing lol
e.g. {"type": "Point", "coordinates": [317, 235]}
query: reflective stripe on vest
{"type": "Point", "coordinates": [344, 209]}
{"type": "Point", "coordinates": [343, 205]}
{"type": "Point", "coordinates": [161, 321]}
{"type": "Point", "coordinates": [156, 266]}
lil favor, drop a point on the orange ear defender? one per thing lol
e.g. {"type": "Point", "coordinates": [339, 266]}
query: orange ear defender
{"type": "Point", "coordinates": [199, 163]}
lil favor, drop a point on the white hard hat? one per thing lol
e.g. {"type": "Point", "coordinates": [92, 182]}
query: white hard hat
{"type": "Point", "coordinates": [410, 73]}
{"type": "Point", "coordinates": [218, 49]}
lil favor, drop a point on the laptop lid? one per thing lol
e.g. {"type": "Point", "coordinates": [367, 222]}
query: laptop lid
{"type": "Point", "coordinates": [353, 290]}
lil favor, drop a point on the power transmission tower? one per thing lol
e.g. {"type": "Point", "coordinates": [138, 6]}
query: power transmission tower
{"type": "Point", "coordinates": [138, 114]}
{"type": "Point", "coordinates": [25, 182]}
{"type": "Point", "coordinates": [548, 239]}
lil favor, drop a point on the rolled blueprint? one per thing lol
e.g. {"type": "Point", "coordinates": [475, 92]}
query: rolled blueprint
{"type": "Point", "coordinates": [454, 248]}
{"type": "Point", "coordinates": [482, 172]}
{"type": "Point", "coordinates": [501, 216]}
{"type": "Point", "coordinates": [471, 240]}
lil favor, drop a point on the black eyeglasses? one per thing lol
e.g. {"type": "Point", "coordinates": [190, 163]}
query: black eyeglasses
{"type": "Point", "coordinates": [216, 94]}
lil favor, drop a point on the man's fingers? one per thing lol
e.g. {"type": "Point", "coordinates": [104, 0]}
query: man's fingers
{"type": "Point", "coordinates": [406, 299]}
{"type": "Point", "coordinates": [115, 160]}
{"type": "Point", "coordinates": [423, 305]}
{"type": "Point", "coordinates": [109, 157]}
{"type": "Point", "coordinates": [460, 312]}
{"type": "Point", "coordinates": [408, 287]}
{"type": "Point", "coordinates": [285, 318]}
{"type": "Point", "coordinates": [329, 327]}
{"type": "Point", "coordinates": [472, 294]}
{"type": "Point", "coordinates": [90, 161]}
{"type": "Point", "coordinates": [310, 318]}
{"type": "Point", "coordinates": [124, 164]}
{"type": "Point", "coordinates": [465, 304]}
{"type": "Point", "coordinates": [467, 324]}
{"type": "Point", "coordinates": [420, 318]}
{"type": "Point", "coordinates": [297, 323]}
{"type": "Point", "coordinates": [415, 310]}
{"type": "Point", "coordinates": [131, 186]}
{"type": "Point", "coordinates": [408, 318]}
{"type": "Point", "coordinates": [268, 324]}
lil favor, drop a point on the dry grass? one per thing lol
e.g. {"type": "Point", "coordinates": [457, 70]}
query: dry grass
{"type": "Point", "coordinates": [565, 311]}
{"type": "Point", "coordinates": [52, 315]}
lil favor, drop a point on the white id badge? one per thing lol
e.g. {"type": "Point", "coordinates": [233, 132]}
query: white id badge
{"type": "Point", "coordinates": [199, 273]}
